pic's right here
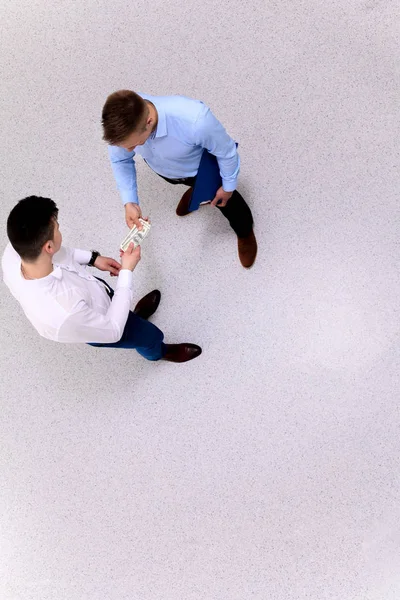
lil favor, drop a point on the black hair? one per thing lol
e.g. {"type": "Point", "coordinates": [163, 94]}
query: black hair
{"type": "Point", "coordinates": [30, 225]}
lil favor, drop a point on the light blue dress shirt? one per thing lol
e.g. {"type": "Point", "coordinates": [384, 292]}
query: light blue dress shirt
{"type": "Point", "coordinates": [185, 127]}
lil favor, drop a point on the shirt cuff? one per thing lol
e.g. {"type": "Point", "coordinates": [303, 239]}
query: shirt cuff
{"type": "Point", "coordinates": [229, 186]}
{"type": "Point", "coordinates": [125, 279]}
{"type": "Point", "coordinates": [129, 196]}
{"type": "Point", "coordinates": [82, 256]}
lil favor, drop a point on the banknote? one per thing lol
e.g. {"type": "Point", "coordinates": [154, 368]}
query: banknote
{"type": "Point", "coordinates": [136, 235]}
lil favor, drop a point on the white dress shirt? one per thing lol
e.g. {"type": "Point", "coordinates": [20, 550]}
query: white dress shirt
{"type": "Point", "coordinates": [70, 305]}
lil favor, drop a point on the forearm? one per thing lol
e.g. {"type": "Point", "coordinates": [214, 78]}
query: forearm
{"type": "Point", "coordinates": [124, 170]}
{"type": "Point", "coordinates": [229, 169]}
{"type": "Point", "coordinates": [210, 134]}
{"type": "Point", "coordinates": [121, 302]}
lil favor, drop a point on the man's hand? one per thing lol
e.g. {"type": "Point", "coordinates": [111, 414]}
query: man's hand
{"type": "Point", "coordinates": [221, 198]}
{"type": "Point", "coordinates": [132, 215]}
{"type": "Point", "coordinates": [131, 257]}
{"type": "Point", "coordinates": [104, 263]}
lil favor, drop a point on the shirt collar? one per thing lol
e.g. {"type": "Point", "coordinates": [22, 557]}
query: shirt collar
{"type": "Point", "coordinates": [161, 130]}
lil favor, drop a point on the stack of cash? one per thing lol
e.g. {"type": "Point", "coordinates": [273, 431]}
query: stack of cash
{"type": "Point", "coordinates": [136, 235]}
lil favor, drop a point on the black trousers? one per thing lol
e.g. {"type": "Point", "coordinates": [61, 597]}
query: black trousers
{"type": "Point", "coordinates": [236, 210]}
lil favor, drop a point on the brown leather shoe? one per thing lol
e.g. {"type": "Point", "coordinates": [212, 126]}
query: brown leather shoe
{"type": "Point", "coordinates": [183, 207]}
{"type": "Point", "coordinates": [148, 305]}
{"type": "Point", "coordinates": [247, 248]}
{"type": "Point", "coordinates": [180, 353]}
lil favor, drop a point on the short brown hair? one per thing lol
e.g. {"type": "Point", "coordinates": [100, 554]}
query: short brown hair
{"type": "Point", "coordinates": [123, 113]}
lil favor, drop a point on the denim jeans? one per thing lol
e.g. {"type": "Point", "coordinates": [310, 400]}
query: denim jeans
{"type": "Point", "coordinates": [139, 334]}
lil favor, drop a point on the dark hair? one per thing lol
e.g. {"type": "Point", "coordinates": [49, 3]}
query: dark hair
{"type": "Point", "coordinates": [123, 113]}
{"type": "Point", "coordinates": [30, 225]}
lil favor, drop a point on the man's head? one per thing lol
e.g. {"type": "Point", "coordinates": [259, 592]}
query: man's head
{"type": "Point", "coordinates": [127, 120]}
{"type": "Point", "coordinates": [32, 228]}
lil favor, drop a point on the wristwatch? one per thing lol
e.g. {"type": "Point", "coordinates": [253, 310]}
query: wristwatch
{"type": "Point", "coordinates": [92, 260]}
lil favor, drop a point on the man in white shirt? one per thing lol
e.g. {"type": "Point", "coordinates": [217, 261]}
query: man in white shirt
{"type": "Point", "coordinates": [64, 302]}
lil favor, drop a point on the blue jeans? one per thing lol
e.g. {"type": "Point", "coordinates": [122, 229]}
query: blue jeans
{"type": "Point", "coordinates": [141, 335]}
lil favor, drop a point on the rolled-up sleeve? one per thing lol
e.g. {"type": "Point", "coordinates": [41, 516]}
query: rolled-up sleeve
{"type": "Point", "coordinates": [124, 169]}
{"type": "Point", "coordinates": [209, 133]}
{"type": "Point", "coordinates": [85, 325]}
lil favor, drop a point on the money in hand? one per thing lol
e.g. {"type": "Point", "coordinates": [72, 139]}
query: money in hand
{"type": "Point", "coordinates": [136, 235]}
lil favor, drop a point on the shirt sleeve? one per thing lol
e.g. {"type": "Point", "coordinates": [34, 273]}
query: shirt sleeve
{"type": "Point", "coordinates": [85, 325]}
{"type": "Point", "coordinates": [67, 255]}
{"type": "Point", "coordinates": [82, 256]}
{"type": "Point", "coordinates": [124, 169]}
{"type": "Point", "coordinates": [209, 133]}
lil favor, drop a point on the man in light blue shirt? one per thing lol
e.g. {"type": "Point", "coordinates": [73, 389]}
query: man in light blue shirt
{"type": "Point", "coordinates": [171, 133]}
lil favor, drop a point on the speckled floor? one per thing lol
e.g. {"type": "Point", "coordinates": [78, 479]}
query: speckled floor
{"type": "Point", "coordinates": [269, 467]}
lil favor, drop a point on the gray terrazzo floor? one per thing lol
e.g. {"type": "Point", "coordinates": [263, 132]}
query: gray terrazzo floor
{"type": "Point", "coordinates": [269, 467]}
